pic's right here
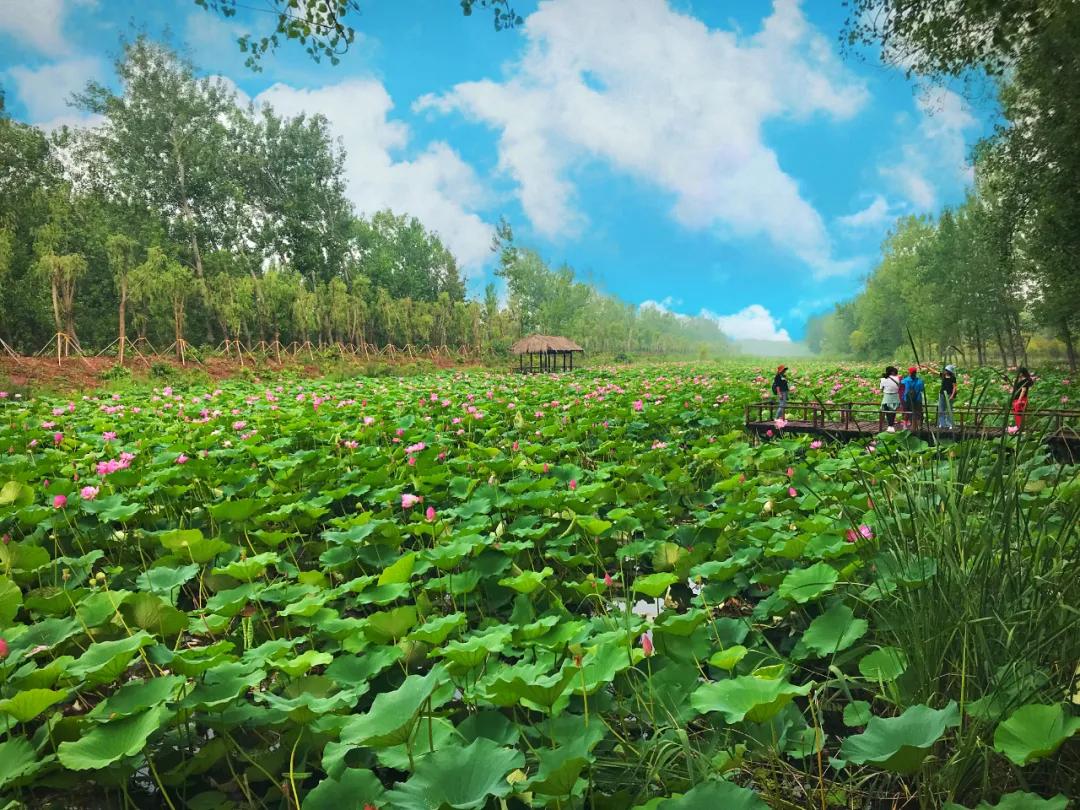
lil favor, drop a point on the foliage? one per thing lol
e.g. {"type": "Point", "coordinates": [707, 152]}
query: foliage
{"type": "Point", "coordinates": [449, 589]}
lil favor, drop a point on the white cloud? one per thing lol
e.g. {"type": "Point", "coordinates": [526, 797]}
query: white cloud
{"type": "Point", "coordinates": [664, 306]}
{"type": "Point", "coordinates": [45, 90]}
{"type": "Point", "coordinates": [935, 152]}
{"type": "Point", "coordinates": [38, 24]}
{"type": "Point", "coordinates": [656, 94]}
{"type": "Point", "coordinates": [874, 215]}
{"type": "Point", "coordinates": [436, 186]}
{"type": "Point", "coordinates": [752, 323]}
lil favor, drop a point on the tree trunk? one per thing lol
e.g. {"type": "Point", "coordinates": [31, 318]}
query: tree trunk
{"type": "Point", "coordinates": [123, 319]}
{"type": "Point", "coordinates": [1070, 348]}
{"type": "Point", "coordinates": [189, 216]}
{"type": "Point", "coordinates": [1001, 347]}
{"type": "Point", "coordinates": [56, 310]}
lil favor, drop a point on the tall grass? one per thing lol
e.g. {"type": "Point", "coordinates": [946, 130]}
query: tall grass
{"type": "Point", "coordinates": [995, 625]}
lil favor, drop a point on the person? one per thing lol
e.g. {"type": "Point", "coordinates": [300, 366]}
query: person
{"type": "Point", "coordinates": [914, 388]}
{"type": "Point", "coordinates": [890, 396]}
{"type": "Point", "coordinates": [780, 390]}
{"type": "Point", "coordinates": [945, 398]}
{"type": "Point", "coordinates": [1020, 391]}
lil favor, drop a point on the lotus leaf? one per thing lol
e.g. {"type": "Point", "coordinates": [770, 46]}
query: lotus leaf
{"type": "Point", "coordinates": [1033, 732]}
{"type": "Point", "coordinates": [900, 744]}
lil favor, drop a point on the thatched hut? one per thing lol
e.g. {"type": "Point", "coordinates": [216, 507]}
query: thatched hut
{"type": "Point", "coordinates": [549, 352]}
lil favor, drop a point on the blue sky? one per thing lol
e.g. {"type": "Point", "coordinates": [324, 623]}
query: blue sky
{"type": "Point", "coordinates": [705, 156]}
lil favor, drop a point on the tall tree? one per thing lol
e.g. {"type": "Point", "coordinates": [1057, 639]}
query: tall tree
{"type": "Point", "coordinates": [123, 257]}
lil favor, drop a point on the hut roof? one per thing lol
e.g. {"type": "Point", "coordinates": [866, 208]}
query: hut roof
{"type": "Point", "coordinates": [536, 344]}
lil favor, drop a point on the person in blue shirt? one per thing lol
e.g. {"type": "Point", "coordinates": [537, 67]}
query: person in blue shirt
{"type": "Point", "coordinates": [914, 396]}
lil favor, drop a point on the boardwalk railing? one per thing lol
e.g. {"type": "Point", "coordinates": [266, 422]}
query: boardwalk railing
{"type": "Point", "coordinates": [867, 418]}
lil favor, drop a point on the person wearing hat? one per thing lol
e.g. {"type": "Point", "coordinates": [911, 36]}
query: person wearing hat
{"type": "Point", "coordinates": [914, 393]}
{"type": "Point", "coordinates": [945, 398]}
{"type": "Point", "coordinates": [780, 390]}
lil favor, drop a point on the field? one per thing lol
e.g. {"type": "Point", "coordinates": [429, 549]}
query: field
{"type": "Point", "coordinates": [477, 590]}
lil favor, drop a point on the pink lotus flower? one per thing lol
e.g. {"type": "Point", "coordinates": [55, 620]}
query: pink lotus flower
{"type": "Point", "coordinates": [608, 580]}
{"type": "Point", "coordinates": [88, 493]}
{"type": "Point", "coordinates": [1012, 429]}
{"type": "Point", "coordinates": [646, 643]}
{"type": "Point", "coordinates": [408, 501]}
{"type": "Point", "coordinates": [792, 492]}
{"type": "Point", "coordinates": [108, 436]}
{"type": "Point", "coordinates": [181, 459]}
{"type": "Point", "coordinates": [638, 405]}
{"type": "Point", "coordinates": [790, 472]}
{"type": "Point", "coordinates": [57, 438]}
{"type": "Point", "coordinates": [815, 444]}
{"type": "Point", "coordinates": [3, 649]}
{"type": "Point", "coordinates": [429, 513]}
{"type": "Point", "coordinates": [59, 501]}
{"type": "Point", "coordinates": [415, 448]}
{"type": "Point", "coordinates": [573, 484]}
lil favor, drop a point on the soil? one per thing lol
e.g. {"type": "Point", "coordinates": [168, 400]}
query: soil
{"type": "Point", "coordinates": [78, 373]}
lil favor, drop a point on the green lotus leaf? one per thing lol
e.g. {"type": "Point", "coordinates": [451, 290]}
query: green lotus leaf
{"type": "Point", "coordinates": [834, 630]}
{"type": "Point", "coordinates": [112, 508]}
{"type": "Point", "coordinates": [151, 613]}
{"type": "Point", "coordinates": [728, 657]}
{"type": "Point", "coordinates": [11, 600]}
{"type": "Point", "coordinates": [166, 582]}
{"type": "Point", "coordinates": [306, 707]}
{"type": "Point", "coordinates": [491, 725]}
{"type": "Point", "coordinates": [435, 631]}
{"type": "Point", "coordinates": [527, 581]}
{"type": "Point", "coordinates": [593, 526]}
{"type": "Point", "coordinates": [250, 568]}
{"type": "Point", "coordinates": [392, 714]}
{"type": "Point", "coordinates": [17, 760]}
{"type": "Point", "coordinates": [1018, 801]}
{"type": "Point", "coordinates": [560, 768]}
{"type": "Point", "coordinates": [99, 607]}
{"type": "Point", "coordinates": [428, 735]}
{"type": "Point", "coordinates": [715, 795]}
{"type": "Point", "coordinates": [104, 661]}
{"type": "Point", "coordinates": [900, 744]}
{"type": "Point", "coordinates": [390, 625]}
{"type": "Point", "coordinates": [16, 494]}
{"type": "Point", "coordinates": [189, 544]}
{"type": "Point", "coordinates": [222, 685]}
{"type": "Point", "coordinates": [461, 777]}
{"type": "Point", "coordinates": [27, 704]}
{"type": "Point", "coordinates": [528, 684]}
{"type": "Point", "coordinates": [295, 667]}
{"type": "Point", "coordinates": [857, 713]}
{"type": "Point", "coordinates": [884, 664]}
{"type": "Point", "coordinates": [749, 697]}
{"type": "Point", "coordinates": [350, 670]}
{"type": "Point", "coordinates": [399, 571]}
{"type": "Point", "coordinates": [356, 787]}
{"type": "Point", "coordinates": [137, 696]}
{"type": "Point", "coordinates": [110, 742]}
{"type": "Point", "coordinates": [474, 650]}
{"type": "Point", "coordinates": [235, 511]}
{"type": "Point", "coordinates": [1033, 732]}
{"type": "Point", "coordinates": [654, 584]}
{"type": "Point", "coordinates": [806, 584]}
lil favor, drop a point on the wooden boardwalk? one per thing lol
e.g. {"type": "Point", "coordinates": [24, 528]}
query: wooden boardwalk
{"type": "Point", "coordinates": [854, 420]}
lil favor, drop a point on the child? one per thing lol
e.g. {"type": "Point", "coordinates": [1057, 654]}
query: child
{"type": "Point", "coordinates": [890, 396]}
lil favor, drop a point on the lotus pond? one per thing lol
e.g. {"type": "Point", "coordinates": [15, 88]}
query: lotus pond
{"type": "Point", "coordinates": [477, 590]}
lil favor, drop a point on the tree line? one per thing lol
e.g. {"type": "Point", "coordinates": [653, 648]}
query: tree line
{"type": "Point", "coordinates": [997, 277]}
{"type": "Point", "coordinates": [185, 217]}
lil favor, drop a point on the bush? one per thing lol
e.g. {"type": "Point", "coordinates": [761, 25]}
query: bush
{"type": "Point", "coordinates": [160, 370]}
{"type": "Point", "coordinates": [115, 373]}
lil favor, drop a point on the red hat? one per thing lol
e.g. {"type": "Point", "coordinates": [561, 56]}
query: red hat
{"type": "Point", "coordinates": [912, 370]}
{"type": "Point", "coordinates": [780, 369]}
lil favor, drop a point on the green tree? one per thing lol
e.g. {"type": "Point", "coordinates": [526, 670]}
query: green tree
{"type": "Point", "coordinates": [122, 252]}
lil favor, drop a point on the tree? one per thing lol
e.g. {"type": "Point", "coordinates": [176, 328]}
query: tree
{"type": "Point", "coordinates": [122, 252]}
{"type": "Point", "coordinates": [324, 28]}
{"type": "Point", "coordinates": [62, 273]}
{"type": "Point", "coordinates": [163, 283]}
{"type": "Point", "coordinates": [167, 144]}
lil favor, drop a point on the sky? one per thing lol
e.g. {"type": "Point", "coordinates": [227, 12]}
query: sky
{"type": "Point", "coordinates": [723, 158]}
